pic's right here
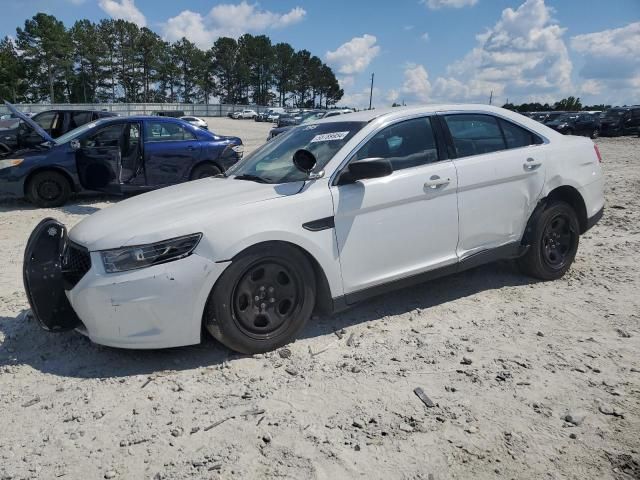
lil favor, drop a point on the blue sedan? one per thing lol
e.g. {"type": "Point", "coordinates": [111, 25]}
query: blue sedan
{"type": "Point", "coordinates": [115, 155]}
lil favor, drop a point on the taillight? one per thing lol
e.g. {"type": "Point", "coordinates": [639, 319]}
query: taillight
{"type": "Point", "coordinates": [595, 147]}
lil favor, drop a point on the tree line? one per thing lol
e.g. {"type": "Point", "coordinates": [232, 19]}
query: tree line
{"type": "Point", "coordinates": [117, 61]}
{"type": "Point", "coordinates": [569, 104]}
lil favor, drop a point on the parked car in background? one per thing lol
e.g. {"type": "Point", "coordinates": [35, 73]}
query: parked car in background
{"type": "Point", "coordinates": [195, 121]}
{"type": "Point", "coordinates": [307, 117]}
{"type": "Point", "coordinates": [54, 122]}
{"type": "Point", "coordinates": [168, 113]}
{"type": "Point", "coordinates": [245, 114]}
{"type": "Point", "coordinates": [115, 155]}
{"type": "Point", "coordinates": [269, 115]}
{"type": "Point", "coordinates": [318, 220]}
{"type": "Point", "coordinates": [620, 121]}
{"type": "Point", "coordinates": [576, 123]}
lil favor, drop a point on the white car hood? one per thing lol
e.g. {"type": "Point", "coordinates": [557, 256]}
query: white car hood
{"type": "Point", "coordinates": [171, 212]}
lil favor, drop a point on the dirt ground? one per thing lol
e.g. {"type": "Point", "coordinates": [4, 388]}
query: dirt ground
{"type": "Point", "coordinates": [529, 379]}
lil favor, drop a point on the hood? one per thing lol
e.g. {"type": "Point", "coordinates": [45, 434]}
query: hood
{"type": "Point", "coordinates": [173, 211]}
{"type": "Point", "coordinates": [39, 130]}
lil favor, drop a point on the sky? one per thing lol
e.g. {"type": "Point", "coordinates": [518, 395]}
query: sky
{"type": "Point", "coordinates": [421, 51]}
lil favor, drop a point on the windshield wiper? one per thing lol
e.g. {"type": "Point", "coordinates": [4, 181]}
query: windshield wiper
{"type": "Point", "coordinates": [253, 178]}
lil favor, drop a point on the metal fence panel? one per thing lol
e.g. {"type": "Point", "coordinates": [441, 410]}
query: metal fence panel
{"type": "Point", "coordinates": [127, 109]}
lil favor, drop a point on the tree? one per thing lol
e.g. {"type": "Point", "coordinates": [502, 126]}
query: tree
{"type": "Point", "coordinates": [12, 85]}
{"type": "Point", "coordinates": [283, 70]}
{"type": "Point", "coordinates": [225, 54]}
{"type": "Point", "coordinates": [570, 104]}
{"type": "Point", "coordinates": [47, 53]}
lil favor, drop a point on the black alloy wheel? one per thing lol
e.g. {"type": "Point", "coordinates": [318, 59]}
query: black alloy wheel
{"type": "Point", "coordinates": [262, 299]}
{"type": "Point", "coordinates": [553, 238]}
{"type": "Point", "coordinates": [266, 298]}
{"type": "Point", "coordinates": [558, 240]}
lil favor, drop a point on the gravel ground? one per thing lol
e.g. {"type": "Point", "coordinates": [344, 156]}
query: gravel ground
{"type": "Point", "coordinates": [528, 379]}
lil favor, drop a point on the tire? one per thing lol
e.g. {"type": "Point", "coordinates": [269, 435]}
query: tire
{"type": "Point", "coordinates": [205, 170]}
{"type": "Point", "coordinates": [595, 134]}
{"type": "Point", "coordinates": [48, 189]}
{"type": "Point", "coordinates": [569, 131]}
{"type": "Point", "coordinates": [554, 242]}
{"type": "Point", "coordinates": [241, 312]}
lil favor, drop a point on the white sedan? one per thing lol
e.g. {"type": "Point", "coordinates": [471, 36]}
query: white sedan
{"type": "Point", "coordinates": [322, 217]}
{"type": "Point", "coordinates": [196, 121]}
{"type": "Point", "coordinates": [244, 114]}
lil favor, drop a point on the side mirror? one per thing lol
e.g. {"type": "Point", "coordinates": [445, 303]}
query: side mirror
{"type": "Point", "coordinates": [365, 168]}
{"type": "Point", "coordinates": [75, 144]}
{"type": "Point", "coordinates": [304, 160]}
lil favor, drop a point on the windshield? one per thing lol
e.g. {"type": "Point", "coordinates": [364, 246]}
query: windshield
{"type": "Point", "coordinates": [273, 161]}
{"type": "Point", "coordinates": [76, 132]}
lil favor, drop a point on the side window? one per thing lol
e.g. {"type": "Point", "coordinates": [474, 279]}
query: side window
{"type": "Point", "coordinates": [45, 120]}
{"type": "Point", "coordinates": [407, 144]}
{"type": "Point", "coordinates": [166, 132]}
{"type": "Point", "coordinates": [78, 119]}
{"type": "Point", "coordinates": [108, 136]}
{"type": "Point", "coordinates": [517, 137]}
{"type": "Point", "coordinates": [131, 139]}
{"type": "Point", "coordinates": [474, 134]}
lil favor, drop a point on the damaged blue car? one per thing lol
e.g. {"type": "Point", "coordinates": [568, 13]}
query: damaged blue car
{"type": "Point", "coordinates": [114, 155]}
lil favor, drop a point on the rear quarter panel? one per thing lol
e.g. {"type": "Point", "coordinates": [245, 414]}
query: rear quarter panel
{"type": "Point", "coordinates": [573, 161]}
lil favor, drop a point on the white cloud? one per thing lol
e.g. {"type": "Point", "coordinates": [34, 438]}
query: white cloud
{"type": "Point", "coordinates": [437, 4]}
{"type": "Point", "coordinates": [124, 10]}
{"type": "Point", "coordinates": [360, 98]}
{"type": "Point", "coordinates": [416, 82]}
{"type": "Point", "coordinates": [227, 20]}
{"type": "Point", "coordinates": [408, 28]}
{"type": "Point", "coordinates": [355, 55]}
{"type": "Point", "coordinates": [425, 36]}
{"type": "Point", "coordinates": [612, 63]}
{"type": "Point", "coordinates": [393, 95]}
{"type": "Point", "coordinates": [522, 57]}
{"type": "Point", "coordinates": [76, 2]}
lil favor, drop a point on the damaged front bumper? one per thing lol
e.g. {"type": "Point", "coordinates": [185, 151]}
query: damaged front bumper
{"type": "Point", "coordinates": [154, 307]}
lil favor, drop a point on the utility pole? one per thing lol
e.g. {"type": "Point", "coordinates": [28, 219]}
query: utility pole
{"type": "Point", "coordinates": [491, 97]}
{"type": "Point", "coordinates": [371, 91]}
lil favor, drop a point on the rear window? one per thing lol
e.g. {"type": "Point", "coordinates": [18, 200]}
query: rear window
{"type": "Point", "coordinates": [475, 134]}
{"type": "Point", "coordinates": [517, 137]}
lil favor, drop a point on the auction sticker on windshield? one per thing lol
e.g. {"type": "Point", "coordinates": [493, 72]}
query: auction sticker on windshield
{"type": "Point", "coordinates": [327, 137]}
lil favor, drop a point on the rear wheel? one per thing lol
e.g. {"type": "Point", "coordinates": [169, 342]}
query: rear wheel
{"type": "Point", "coordinates": [205, 170]}
{"type": "Point", "coordinates": [262, 299]}
{"type": "Point", "coordinates": [554, 242]}
{"type": "Point", "coordinates": [48, 189]}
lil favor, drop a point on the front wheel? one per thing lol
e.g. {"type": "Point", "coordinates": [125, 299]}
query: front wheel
{"type": "Point", "coordinates": [262, 300]}
{"type": "Point", "coordinates": [595, 134]}
{"type": "Point", "coordinates": [48, 189]}
{"type": "Point", "coordinates": [554, 242]}
{"type": "Point", "coordinates": [205, 170]}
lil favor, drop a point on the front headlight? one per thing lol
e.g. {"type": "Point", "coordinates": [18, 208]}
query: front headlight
{"type": "Point", "coordinates": [238, 149]}
{"type": "Point", "coordinates": [14, 162]}
{"type": "Point", "coordinates": [140, 256]}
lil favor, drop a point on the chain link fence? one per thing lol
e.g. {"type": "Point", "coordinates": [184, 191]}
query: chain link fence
{"type": "Point", "coordinates": [126, 109]}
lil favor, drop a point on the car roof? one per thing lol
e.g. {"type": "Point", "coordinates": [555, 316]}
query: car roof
{"type": "Point", "coordinates": [369, 115]}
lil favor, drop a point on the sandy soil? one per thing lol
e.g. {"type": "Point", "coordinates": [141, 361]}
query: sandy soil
{"type": "Point", "coordinates": [529, 379]}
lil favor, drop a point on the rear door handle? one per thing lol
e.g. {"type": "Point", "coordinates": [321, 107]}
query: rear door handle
{"type": "Point", "coordinates": [531, 164]}
{"type": "Point", "coordinates": [436, 182]}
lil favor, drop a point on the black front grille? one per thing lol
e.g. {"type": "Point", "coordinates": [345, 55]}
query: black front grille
{"type": "Point", "coordinates": [76, 262]}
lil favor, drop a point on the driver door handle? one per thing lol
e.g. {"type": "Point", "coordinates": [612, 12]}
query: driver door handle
{"type": "Point", "coordinates": [531, 164]}
{"type": "Point", "coordinates": [436, 182]}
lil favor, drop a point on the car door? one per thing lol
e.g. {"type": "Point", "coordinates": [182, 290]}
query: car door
{"type": "Point", "coordinates": [170, 150]}
{"type": "Point", "coordinates": [500, 169]}
{"type": "Point", "coordinates": [397, 226]}
{"type": "Point", "coordinates": [99, 158]}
